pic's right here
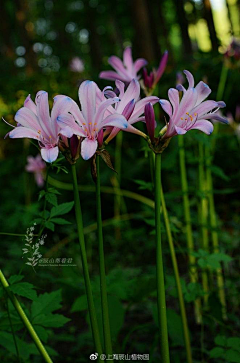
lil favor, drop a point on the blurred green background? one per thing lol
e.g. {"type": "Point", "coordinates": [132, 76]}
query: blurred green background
{"type": "Point", "coordinates": [39, 43]}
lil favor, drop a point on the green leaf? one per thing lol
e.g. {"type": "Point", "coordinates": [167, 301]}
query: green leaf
{"type": "Point", "coordinates": [25, 349]}
{"type": "Point", "coordinates": [80, 304]}
{"type": "Point", "coordinates": [46, 303]}
{"type": "Point", "coordinates": [144, 185]}
{"type": "Point", "coordinates": [51, 198]}
{"type": "Point", "coordinates": [232, 356]}
{"type": "Point", "coordinates": [24, 289]}
{"type": "Point", "coordinates": [41, 332]}
{"type": "Point", "coordinates": [51, 320]}
{"type": "Point", "coordinates": [234, 343]}
{"type": "Point", "coordinates": [221, 340]}
{"type": "Point", "coordinates": [54, 191]}
{"type": "Point", "coordinates": [217, 352]}
{"type": "Point", "coordinates": [61, 209]}
{"type": "Point", "coordinates": [219, 172]}
{"type": "Point", "coordinates": [61, 221]}
{"type": "Point", "coordinates": [50, 225]}
{"type": "Point", "coordinates": [41, 194]}
{"type": "Point", "coordinates": [15, 278]}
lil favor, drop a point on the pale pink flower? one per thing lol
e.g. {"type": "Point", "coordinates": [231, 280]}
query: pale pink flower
{"type": "Point", "coordinates": [34, 122]}
{"type": "Point", "coordinates": [192, 112]}
{"type": "Point", "coordinates": [36, 166]}
{"type": "Point", "coordinates": [125, 70]}
{"type": "Point", "coordinates": [91, 119]}
{"type": "Point", "coordinates": [76, 65]}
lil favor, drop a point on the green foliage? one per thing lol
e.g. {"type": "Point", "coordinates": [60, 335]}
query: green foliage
{"type": "Point", "coordinates": [211, 260]}
{"type": "Point", "coordinates": [227, 349]}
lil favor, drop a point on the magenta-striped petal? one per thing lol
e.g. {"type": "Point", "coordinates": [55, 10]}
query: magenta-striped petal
{"type": "Point", "coordinates": [139, 63]}
{"type": "Point", "coordinates": [115, 120]}
{"type": "Point", "coordinates": [189, 78]}
{"type": "Point", "coordinates": [161, 67]}
{"type": "Point", "coordinates": [204, 108]}
{"type": "Point", "coordinates": [120, 86]}
{"type": "Point", "coordinates": [68, 121]}
{"type": "Point", "coordinates": [27, 118]}
{"type": "Point", "coordinates": [203, 92]}
{"type": "Point", "coordinates": [127, 58]}
{"type": "Point", "coordinates": [30, 104]}
{"type": "Point", "coordinates": [22, 132]}
{"type": "Point", "coordinates": [50, 155]}
{"type": "Point", "coordinates": [139, 107]}
{"type": "Point", "coordinates": [128, 109]}
{"type": "Point", "coordinates": [166, 106]}
{"type": "Point", "coordinates": [174, 98]}
{"type": "Point", "coordinates": [204, 126]}
{"type": "Point", "coordinates": [180, 130]}
{"type": "Point", "coordinates": [43, 112]}
{"type": "Point", "coordinates": [101, 110]}
{"type": "Point", "coordinates": [131, 93]}
{"type": "Point", "coordinates": [62, 105]}
{"type": "Point", "coordinates": [117, 64]}
{"type": "Point", "coordinates": [88, 148]}
{"type": "Point", "coordinates": [111, 76]}
{"type": "Point", "coordinates": [180, 88]}
{"type": "Point", "coordinates": [150, 120]}
{"type": "Point", "coordinates": [87, 97]}
{"type": "Point", "coordinates": [217, 117]}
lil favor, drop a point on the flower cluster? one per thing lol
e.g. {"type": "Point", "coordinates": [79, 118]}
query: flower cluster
{"type": "Point", "coordinates": [103, 113]}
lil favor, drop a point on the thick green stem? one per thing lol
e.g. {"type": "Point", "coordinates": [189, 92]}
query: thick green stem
{"type": "Point", "coordinates": [91, 307]}
{"type": "Point", "coordinates": [178, 282]}
{"type": "Point", "coordinates": [214, 234]}
{"type": "Point", "coordinates": [104, 299]}
{"type": "Point", "coordinates": [25, 320]}
{"type": "Point", "coordinates": [203, 217]}
{"type": "Point", "coordinates": [117, 197]}
{"type": "Point", "coordinates": [161, 299]}
{"type": "Point", "coordinates": [188, 223]}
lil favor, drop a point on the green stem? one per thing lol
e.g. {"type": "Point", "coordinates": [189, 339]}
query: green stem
{"type": "Point", "coordinates": [104, 299]}
{"type": "Point", "coordinates": [203, 218]}
{"type": "Point", "coordinates": [25, 320]}
{"type": "Point", "coordinates": [42, 227]}
{"type": "Point", "coordinates": [13, 333]}
{"type": "Point", "coordinates": [188, 223]}
{"type": "Point", "coordinates": [117, 197]}
{"type": "Point", "coordinates": [91, 307]}
{"type": "Point", "coordinates": [161, 299]}
{"type": "Point", "coordinates": [214, 234]}
{"type": "Point", "coordinates": [178, 282]}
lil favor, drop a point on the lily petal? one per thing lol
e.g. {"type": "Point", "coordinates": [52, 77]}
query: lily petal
{"type": "Point", "coordinates": [131, 93]}
{"type": "Point", "coordinates": [127, 58]}
{"type": "Point", "coordinates": [27, 118]}
{"type": "Point", "coordinates": [189, 78]}
{"type": "Point", "coordinates": [50, 155]}
{"type": "Point", "coordinates": [21, 132]}
{"type": "Point", "coordinates": [87, 97]}
{"type": "Point", "coordinates": [30, 104]}
{"type": "Point", "coordinates": [88, 148]}
{"type": "Point", "coordinates": [166, 106]}
{"type": "Point", "coordinates": [115, 120]}
{"type": "Point", "coordinates": [204, 126]}
{"type": "Point", "coordinates": [139, 63]}
{"type": "Point", "coordinates": [180, 130]}
{"type": "Point", "coordinates": [203, 91]}
{"type": "Point", "coordinates": [111, 76]}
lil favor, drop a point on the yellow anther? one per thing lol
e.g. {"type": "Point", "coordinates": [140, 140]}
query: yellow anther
{"type": "Point", "coordinates": [94, 129]}
{"type": "Point", "coordinates": [90, 123]}
{"type": "Point", "coordinates": [187, 113]}
{"type": "Point", "coordinates": [84, 124]}
{"type": "Point", "coordinates": [95, 124]}
{"type": "Point", "coordinates": [39, 131]}
{"type": "Point", "coordinates": [195, 114]}
{"type": "Point", "coordinates": [181, 118]}
{"type": "Point", "coordinates": [50, 136]}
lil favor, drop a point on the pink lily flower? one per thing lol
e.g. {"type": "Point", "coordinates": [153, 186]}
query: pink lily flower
{"type": "Point", "coordinates": [150, 81]}
{"type": "Point", "coordinates": [191, 112]}
{"type": "Point", "coordinates": [126, 70]}
{"type": "Point", "coordinates": [89, 122]}
{"type": "Point", "coordinates": [34, 122]}
{"type": "Point", "coordinates": [130, 106]}
{"type": "Point", "coordinates": [36, 166]}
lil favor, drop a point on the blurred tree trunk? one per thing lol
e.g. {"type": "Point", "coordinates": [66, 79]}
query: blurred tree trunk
{"type": "Point", "coordinates": [5, 31]}
{"type": "Point", "coordinates": [143, 34]}
{"type": "Point", "coordinates": [25, 32]}
{"type": "Point", "coordinates": [95, 44]}
{"type": "Point", "coordinates": [154, 29]}
{"type": "Point", "coordinates": [183, 23]}
{"type": "Point", "coordinates": [210, 23]}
